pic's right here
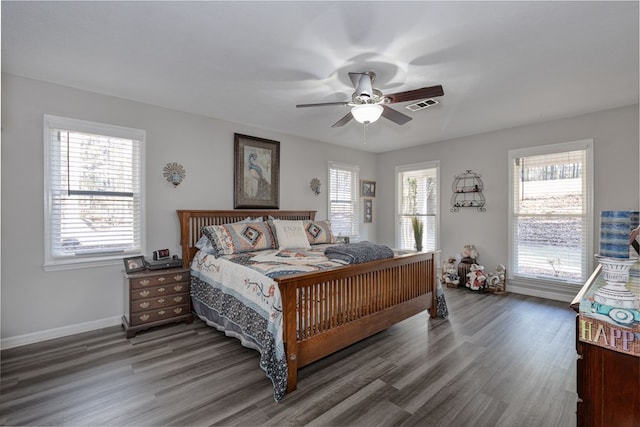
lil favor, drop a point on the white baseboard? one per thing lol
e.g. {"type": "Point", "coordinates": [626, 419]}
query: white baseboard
{"type": "Point", "coordinates": [556, 296]}
{"type": "Point", "coordinates": [64, 331]}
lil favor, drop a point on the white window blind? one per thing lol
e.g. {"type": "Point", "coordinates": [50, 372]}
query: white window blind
{"type": "Point", "coordinates": [343, 199]}
{"type": "Point", "coordinates": [418, 197]}
{"type": "Point", "coordinates": [94, 206]}
{"type": "Point", "coordinates": [551, 190]}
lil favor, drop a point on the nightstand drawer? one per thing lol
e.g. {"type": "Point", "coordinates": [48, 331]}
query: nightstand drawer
{"type": "Point", "coordinates": [173, 288]}
{"type": "Point", "coordinates": [158, 302]}
{"type": "Point", "coordinates": [159, 314]}
{"type": "Point", "coordinates": [159, 279]}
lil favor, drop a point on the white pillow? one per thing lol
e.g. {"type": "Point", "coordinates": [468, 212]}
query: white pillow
{"type": "Point", "coordinates": [291, 234]}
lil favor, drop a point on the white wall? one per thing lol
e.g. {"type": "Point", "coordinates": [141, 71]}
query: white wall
{"type": "Point", "coordinates": [38, 304]}
{"type": "Point", "coordinates": [616, 186]}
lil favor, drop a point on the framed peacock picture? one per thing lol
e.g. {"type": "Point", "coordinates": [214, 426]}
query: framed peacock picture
{"type": "Point", "coordinates": [256, 175]}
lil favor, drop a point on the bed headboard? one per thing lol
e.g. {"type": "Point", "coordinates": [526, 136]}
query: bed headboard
{"type": "Point", "coordinates": [192, 222]}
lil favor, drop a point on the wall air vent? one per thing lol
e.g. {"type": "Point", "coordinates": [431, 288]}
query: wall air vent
{"type": "Point", "coordinates": [421, 105]}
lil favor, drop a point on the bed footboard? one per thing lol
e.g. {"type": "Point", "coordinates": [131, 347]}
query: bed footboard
{"type": "Point", "coordinates": [333, 309]}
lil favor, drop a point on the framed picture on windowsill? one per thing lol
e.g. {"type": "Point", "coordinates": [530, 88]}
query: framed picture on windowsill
{"type": "Point", "coordinates": [367, 188]}
{"type": "Point", "coordinates": [133, 264]}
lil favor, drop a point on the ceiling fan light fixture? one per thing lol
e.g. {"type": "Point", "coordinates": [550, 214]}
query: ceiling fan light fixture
{"type": "Point", "coordinates": [367, 113]}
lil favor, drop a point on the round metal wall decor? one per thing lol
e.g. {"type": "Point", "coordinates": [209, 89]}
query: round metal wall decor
{"type": "Point", "coordinates": [174, 173]}
{"type": "Point", "coordinates": [315, 186]}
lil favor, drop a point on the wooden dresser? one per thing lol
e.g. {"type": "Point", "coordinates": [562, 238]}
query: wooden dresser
{"type": "Point", "coordinates": [154, 298]}
{"type": "Point", "coordinates": [608, 380]}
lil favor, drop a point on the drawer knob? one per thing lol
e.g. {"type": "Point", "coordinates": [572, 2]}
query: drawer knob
{"type": "Point", "coordinates": [161, 279]}
{"type": "Point", "coordinates": [161, 290]}
{"type": "Point", "coordinates": [177, 288]}
{"type": "Point", "coordinates": [144, 305]}
{"type": "Point", "coordinates": [177, 310]}
{"type": "Point", "coordinates": [144, 317]}
{"type": "Point", "coordinates": [144, 294]}
{"type": "Point", "coordinates": [178, 277]}
{"type": "Point", "coordinates": [161, 312]}
{"type": "Point", "coordinates": [145, 282]}
{"type": "Point", "coordinates": [177, 299]}
{"type": "Point", "coordinates": [161, 300]}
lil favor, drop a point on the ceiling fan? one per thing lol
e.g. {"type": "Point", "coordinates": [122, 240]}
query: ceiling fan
{"type": "Point", "coordinates": [368, 104]}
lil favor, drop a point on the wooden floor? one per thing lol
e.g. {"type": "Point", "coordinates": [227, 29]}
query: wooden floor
{"type": "Point", "coordinates": [497, 361]}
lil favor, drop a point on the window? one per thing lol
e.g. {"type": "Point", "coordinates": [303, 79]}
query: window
{"type": "Point", "coordinates": [417, 198]}
{"type": "Point", "coordinates": [94, 210]}
{"type": "Point", "coordinates": [343, 199]}
{"type": "Point", "coordinates": [551, 210]}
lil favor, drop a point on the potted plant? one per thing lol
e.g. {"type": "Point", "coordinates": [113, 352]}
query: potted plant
{"type": "Point", "coordinates": [418, 229]}
{"type": "Point", "coordinates": [417, 225]}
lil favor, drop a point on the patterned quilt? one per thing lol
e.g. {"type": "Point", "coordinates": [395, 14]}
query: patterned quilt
{"type": "Point", "coordinates": [245, 302]}
{"type": "Point", "coordinates": [237, 295]}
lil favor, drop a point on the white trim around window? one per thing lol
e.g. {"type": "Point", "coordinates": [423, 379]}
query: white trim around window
{"type": "Point", "coordinates": [343, 201]}
{"type": "Point", "coordinates": [427, 176]}
{"type": "Point", "coordinates": [94, 208]}
{"type": "Point", "coordinates": [549, 261]}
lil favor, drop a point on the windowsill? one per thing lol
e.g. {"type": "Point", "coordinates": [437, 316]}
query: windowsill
{"type": "Point", "coordinates": [545, 283]}
{"type": "Point", "coordinates": [559, 291]}
{"type": "Point", "coordinates": [84, 263]}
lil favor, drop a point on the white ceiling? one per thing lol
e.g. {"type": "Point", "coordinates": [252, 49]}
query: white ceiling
{"type": "Point", "coordinates": [502, 64]}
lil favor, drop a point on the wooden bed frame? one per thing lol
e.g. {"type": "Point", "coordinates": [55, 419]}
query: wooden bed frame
{"type": "Point", "coordinates": [328, 310]}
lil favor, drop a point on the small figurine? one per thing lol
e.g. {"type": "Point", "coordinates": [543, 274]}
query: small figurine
{"type": "Point", "coordinates": [470, 254]}
{"type": "Point", "coordinates": [496, 281]}
{"type": "Point", "coordinates": [477, 279]}
{"type": "Point", "coordinates": [449, 273]}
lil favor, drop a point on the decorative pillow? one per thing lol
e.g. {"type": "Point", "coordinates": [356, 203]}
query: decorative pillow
{"type": "Point", "coordinates": [319, 232]}
{"type": "Point", "coordinates": [205, 245]}
{"type": "Point", "coordinates": [291, 234]}
{"type": "Point", "coordinates": [272, 226]}
{"type": "Point", "coordinates": [240, 237]}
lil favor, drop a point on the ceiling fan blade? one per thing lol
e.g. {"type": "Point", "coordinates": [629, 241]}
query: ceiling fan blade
{"type": "Point", "coordinates": [395, 116]}
{"type": "Point", "coordinates": [343, 121]}
{"type": "Point", "coordinates": [412, 95]}
{"type": "Point", "coordinates": [322, 104]}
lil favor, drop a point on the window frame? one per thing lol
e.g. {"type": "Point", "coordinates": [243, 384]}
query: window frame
{"type": "Point", "coordinates": [355, 171]}
{"type": "Point", "coordinates": [549, 283]}
{"type": "Point", "coordinates": [51, 262]}
{"type": "Point", "coordinates": [435, 164]}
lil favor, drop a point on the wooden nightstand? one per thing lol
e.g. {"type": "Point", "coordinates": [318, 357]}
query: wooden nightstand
{"type": "Point", "coordinates": [154, 298]}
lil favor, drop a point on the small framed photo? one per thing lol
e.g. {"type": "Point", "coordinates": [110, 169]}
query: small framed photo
{"type": "Point", "coordinates": [368, 211]}
{"type": "Point", "coordinates": [368, 188]}
{"type": "Point", "coordinates": [342, 240]}
{"type": "Point", "coordinates": [133, 264]}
